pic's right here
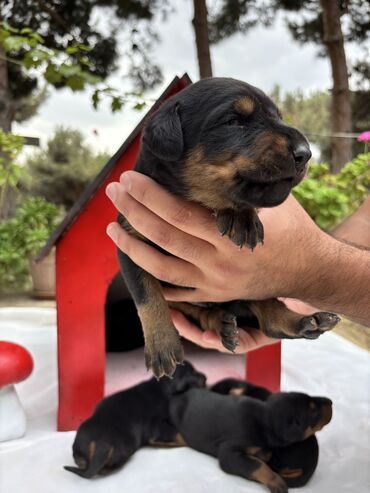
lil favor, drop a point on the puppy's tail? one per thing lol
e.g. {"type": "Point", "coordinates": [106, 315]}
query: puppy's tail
{"type": "Point", "coordinates": [100, 455]}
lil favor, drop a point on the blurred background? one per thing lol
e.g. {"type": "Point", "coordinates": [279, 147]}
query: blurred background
{"type": "Point", "coordinates": [76, 77]}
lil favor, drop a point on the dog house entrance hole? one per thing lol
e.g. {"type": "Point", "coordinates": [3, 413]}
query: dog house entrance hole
{"type": "Point", "coordinates": [122, 324]}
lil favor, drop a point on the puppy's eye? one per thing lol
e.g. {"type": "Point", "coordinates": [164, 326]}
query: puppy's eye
{"type": "Point", "coordinates": [236, 122]}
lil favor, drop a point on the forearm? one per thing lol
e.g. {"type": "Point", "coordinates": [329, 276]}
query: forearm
{"type": "Point", "coordinates": [356, 228]}
{"type": "Point", "coordinates": [339, 280]}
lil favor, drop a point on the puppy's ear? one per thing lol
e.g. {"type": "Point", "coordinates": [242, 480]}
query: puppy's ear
{"type": "Point", "coordinates": [163, 133]}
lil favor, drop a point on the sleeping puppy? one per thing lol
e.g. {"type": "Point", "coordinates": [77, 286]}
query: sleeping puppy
{"type": "Point", "coordinates": [242, 431]}
{"type": "Point", "coordinates": [220, 143]}
{"type": "Point", "coordinates": [295, 463]}
{"type": "Point", "coordinates": [128, 420]}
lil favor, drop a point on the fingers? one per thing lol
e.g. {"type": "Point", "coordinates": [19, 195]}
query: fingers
{"type": "Point", "coordinates": [249, 339]}
{"type": "Point", "coordinates": [163, 267]}
{"type": "Point", "coordinates": [157, 230]}
{"type": "Point", "coordinates": [187, 217]}
{"type": "Point", "coordinates": [207, 339]}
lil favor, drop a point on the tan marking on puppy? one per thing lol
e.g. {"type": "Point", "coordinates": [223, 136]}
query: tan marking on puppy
{"type": "Point", "coordinates": [236, 391]}
{"type": "Point", "coordinates": [266, 476]}
{"type": "Point", "coordinates": [91, 450]}
{"type": "Point", "coordinates": [252, 450]}
{"type": "Point", "coordinates": [326, 418]}
{"type": "Point", "coordinates": [211, 318]}
{"type": "Point", "coordinates": [178, 442]}
{"type": "Point", "coordinates": [274, 316]}
{"type": "Point", "coordinates": [244, 105]}
{"type": "Point", "coordinates": [162, 341]}
{"type": "Point", "coordinates": [267, 148]}
{"type": "Point", "coordinates": [109, 455]}
{"type": "Point", "coordinates": [258, 452]}
{"type": "Point", "coordinates": [205, 179]}
{"type": "Point", "coordinates": [291, 473]}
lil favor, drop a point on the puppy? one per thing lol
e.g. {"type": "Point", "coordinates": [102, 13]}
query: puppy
{"type": "Point", "coordinates": [220, 143]}
{"type": "Point", "coordinates": [242, 431]}
{"type": "Point", "coordinates": [128, 420]}
{"type": "Point", "coordinates": [295, 463]}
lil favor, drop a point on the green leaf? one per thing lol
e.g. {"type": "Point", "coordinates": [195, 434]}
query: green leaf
{"type": "Point", "coordinates": [96, 99]}
{"type": "Point", "coordinates": [76, 83]}
{"type": "Point", "coordinates": [14, 43]}
{"type": "Point", "coordinates": [69, 70]}
{"type": "Point", "coordinates": [52, 75]}
{"type": "Point", "coordinates": [116, 104]}
{"type": "Point", "coordinates": [139, 106]}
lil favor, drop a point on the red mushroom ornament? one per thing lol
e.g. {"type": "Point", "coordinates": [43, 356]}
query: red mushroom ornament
{"type": "Point", "coordinates": [16, 364]}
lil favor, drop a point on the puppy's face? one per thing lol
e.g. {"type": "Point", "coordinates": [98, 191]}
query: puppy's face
{"type": "Point", "coordinates": [234, 148]}
{"type": "Point", "coordinates": [295, 416]}
{"type": "Point", "coordinates": [186, 377]}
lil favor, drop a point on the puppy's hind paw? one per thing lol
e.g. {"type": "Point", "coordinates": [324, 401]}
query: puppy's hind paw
{"type": "Point", "coordinates": [312, 326]}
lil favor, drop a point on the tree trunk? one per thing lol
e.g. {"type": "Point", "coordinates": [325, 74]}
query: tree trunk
{"type": "Point", "coordinates": [200, 23]}
{"type": "Point", "coordinates": [7, 204]}
{"type": "Point", "coordinates": [341, 148]}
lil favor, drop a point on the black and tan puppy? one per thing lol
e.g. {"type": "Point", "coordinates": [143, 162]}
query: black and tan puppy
{"type": "Point", "coordinates": [295, 463]}
{"type": "Point", "coordinates": [242, 431]}
{"type": "Point", "coordinates": [220, 143]}
{"type": "Point", "coordinates": [128, 420]}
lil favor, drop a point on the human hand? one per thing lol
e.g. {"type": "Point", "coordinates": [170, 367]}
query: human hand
{"type": "Point", "coordinates": [249, 339]}
{"type": "Point", "coordinates": [212, 265]}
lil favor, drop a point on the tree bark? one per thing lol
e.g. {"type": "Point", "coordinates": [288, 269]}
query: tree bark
{"type": "Point", "coordinates": [6, 117]}
{"type": "Point", "coordinates": [341, 119]}
{"type": "Point", "coordinates": [200, 23]}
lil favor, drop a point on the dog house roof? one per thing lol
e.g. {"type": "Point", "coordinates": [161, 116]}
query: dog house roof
{"type": "Point", "coordinates": [94, 185]}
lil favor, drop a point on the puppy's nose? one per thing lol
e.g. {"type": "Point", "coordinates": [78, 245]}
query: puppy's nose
{"type": "Point", "coordinates": [301, 154]}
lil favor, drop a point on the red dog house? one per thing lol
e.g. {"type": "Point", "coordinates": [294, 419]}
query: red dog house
{"type": "Point", "coordinates": [86, 264]}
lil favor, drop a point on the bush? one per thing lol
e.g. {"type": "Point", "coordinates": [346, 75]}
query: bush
{"type": "Point", "coordinates": [61, 172]}
{"type": "Point", "coordinates": [331, 198]}
{"type": "Point", "coordinates": [23, 236]}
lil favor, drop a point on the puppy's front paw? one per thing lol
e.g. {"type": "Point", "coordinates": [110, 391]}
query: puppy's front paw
{"type": "Point", "coordinates": [278, 485]}
{"type": "Point", "coordinates": [163, 352]}
{"type": "Point", "coordinates": [312, 326]}
{"type": "Point", "coordinates": [243, 228]}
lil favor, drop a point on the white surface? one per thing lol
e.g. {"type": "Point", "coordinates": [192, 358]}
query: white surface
{"type": "Point", "coordinates": [330, 366]}
{"type": "Point", "coordinates": [12, 415]}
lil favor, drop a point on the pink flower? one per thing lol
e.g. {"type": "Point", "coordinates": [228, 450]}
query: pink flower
{"type": "Point", "coordinates": [364, 137]}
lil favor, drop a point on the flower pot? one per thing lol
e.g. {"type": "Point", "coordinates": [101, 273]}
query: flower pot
{"type": "Point", "coordinates": [43, 276]}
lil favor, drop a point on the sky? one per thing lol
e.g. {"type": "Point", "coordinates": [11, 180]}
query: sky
{"type": "Point", "coordinates": [264, 57]}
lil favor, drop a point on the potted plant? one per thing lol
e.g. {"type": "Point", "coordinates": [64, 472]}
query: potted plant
{"type": "Point", "coordinates": [21, 238]}
{"type": "Point", "coordinates": [36, 219]}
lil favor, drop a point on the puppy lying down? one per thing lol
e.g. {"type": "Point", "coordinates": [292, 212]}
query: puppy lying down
{"type": "Point", "coordinates": [140, 416]}
{"type": "Point", "coordinates": [243, 431]}
{"type": "Point", "coordinates": [296, 462]}
{"type": "Point", "coordinates": [128, 420]}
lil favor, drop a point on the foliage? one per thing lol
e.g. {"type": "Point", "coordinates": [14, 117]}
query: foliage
{"type": "Point", "coordinates": [309, 113]}
{"type": "Point", "coordinates": [10, 173]}
{"type": "Point", "coordinates": [330, 198]}
{"type": "Point", "coordinates": [61, 172]}
{"type": "Point", "coordinates": [22, 236]}
{"type": "Point", "coordinates": [303, 18]}
{"type": "Point", "coordinates": [69, 26]}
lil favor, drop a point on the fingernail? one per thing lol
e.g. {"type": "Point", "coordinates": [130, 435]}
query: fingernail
{"type": "Point", "coordinates": [111, 232]}
{"type": "Point", "coordinates": [111, 191]}
{"type": "Point", "coordinates": [125, 181]}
